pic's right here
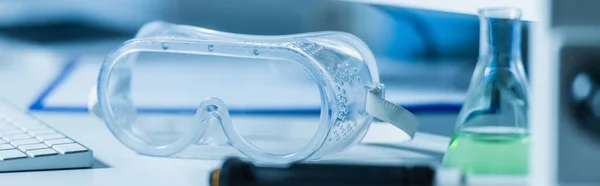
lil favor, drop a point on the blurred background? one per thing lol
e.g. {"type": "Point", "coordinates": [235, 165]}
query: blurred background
{"type": "Point", "coordinates": [437, 48]}
{"type": "Point", "coordinates": [399, 33]}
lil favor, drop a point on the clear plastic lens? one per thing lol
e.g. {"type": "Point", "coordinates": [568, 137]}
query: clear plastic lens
{"type": "Point", "coordinates": [277, 134]}
{"type": "Point", "coordinates": [260, 94]}
{"type": "Point", "coordinates": [156, 117]}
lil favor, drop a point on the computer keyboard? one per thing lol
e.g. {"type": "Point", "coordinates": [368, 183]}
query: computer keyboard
{"type": "Point", "coordinates": [27, 143]}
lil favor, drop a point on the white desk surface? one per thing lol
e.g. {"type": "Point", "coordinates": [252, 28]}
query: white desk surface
{"type": "Point", "coordinates": [22, 80]}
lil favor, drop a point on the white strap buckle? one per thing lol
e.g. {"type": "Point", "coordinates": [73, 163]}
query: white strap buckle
{"type": "Point", "coordinates": [391, 113]}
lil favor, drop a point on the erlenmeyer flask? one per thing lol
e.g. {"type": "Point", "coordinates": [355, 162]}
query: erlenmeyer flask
{"type": "Point", "coordinates": [492, 135]}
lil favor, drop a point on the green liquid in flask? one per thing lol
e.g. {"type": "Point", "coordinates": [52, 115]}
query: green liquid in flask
{"type": "Point", "coordinates": [504, 153]}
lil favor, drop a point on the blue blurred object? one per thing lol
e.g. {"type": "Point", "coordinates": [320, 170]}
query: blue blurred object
{"type": "Point", "coordinates": [396, 32]}
{"type": "Point", "coordinates": [430, 34]}
{"type": "Point", "coordinates": [49, 21]}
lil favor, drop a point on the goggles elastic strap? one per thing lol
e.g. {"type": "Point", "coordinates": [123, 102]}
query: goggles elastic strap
{"type": "Point", "coordinates": [391, 113]}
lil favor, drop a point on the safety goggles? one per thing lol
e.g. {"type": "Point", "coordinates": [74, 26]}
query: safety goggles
{"type": "Point", "coordinates": [177, 89]}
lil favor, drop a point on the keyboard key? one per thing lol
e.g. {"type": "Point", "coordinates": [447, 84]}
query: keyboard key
{"type": "Point", "coordinates": [11, 154]}
{"type": "Point", "coordinates": [45, 137]}
{"type": "Point", "coordinates": [5, 121]}
{"type": "Point", "coordinates": [10, 132]}
{"type": "Point", "coordinates": [41, 152]}
{"type": "Point", "coordinates": [16, 143]}
{"type": "Point", "coordinates": [16, 137]}
{"type": "Point", "coordinates": [32, 147]}
{"type": "Point", "coordinates": [41, 131]}
{"type": "Point", "coordinates": [20, 117]}
{"type": "Point", "coordinates": [69, 148]}
{"type": "Point", "coordinates": [6, 146]}
{"type": "Point", "coordinates": [4, 126]}
{"type": "Point", "coordinates": [58, 141]}
{"type": "Point", "coordinates": [32, 126]}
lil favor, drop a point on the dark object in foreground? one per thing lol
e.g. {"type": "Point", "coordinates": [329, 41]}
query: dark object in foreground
{"type": "Point", "coordinates": [236, 172]}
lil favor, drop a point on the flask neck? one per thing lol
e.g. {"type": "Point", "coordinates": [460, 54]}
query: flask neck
{"type": "Point", "coordinates": [500, 38]}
